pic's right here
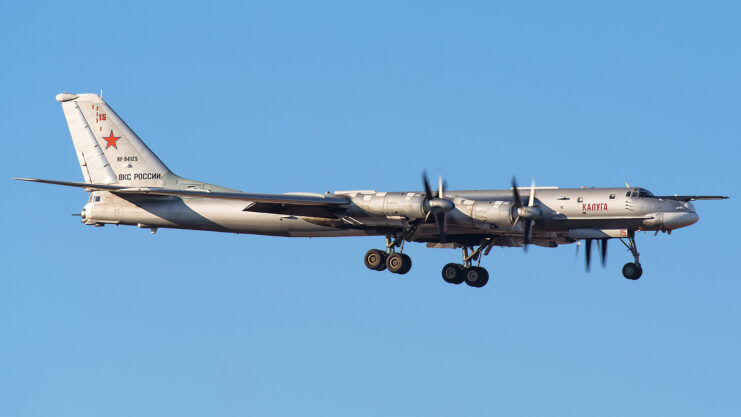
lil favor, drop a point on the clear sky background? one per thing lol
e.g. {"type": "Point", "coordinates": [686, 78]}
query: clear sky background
{"type": "Point", "coordinates": [315, 96]}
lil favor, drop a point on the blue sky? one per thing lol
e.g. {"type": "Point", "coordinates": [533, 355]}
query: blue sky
{"type": "Point", "coordinates": [300, 96]}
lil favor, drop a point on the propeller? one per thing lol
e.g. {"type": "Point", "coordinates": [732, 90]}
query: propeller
{"type": "Point", "coordinates": [528, 213]}
{"type": "Point", "coordinates": [602, 243]}
{"type": "Point", "coordinates": [437, 207]}
{"type": "Point", "coordinates": [604, 252]}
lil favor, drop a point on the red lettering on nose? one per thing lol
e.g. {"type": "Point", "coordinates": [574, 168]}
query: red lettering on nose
{"type": "Point", "coordinates": [583, 207]}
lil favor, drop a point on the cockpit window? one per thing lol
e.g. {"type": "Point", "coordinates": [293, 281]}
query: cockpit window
{"type": "Point", "coordinates": [642, 192]}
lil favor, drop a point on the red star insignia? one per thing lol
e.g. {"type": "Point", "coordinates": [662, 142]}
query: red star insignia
{"type": "Point", "coordinates": [111, 140]}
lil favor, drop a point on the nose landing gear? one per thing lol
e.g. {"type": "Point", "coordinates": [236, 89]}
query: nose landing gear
{"type": "Point", "coordinates": [632, 270]}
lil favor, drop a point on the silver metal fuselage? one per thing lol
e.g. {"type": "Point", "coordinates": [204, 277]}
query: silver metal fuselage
{"type": "Point", "coordinates": [568, 214]}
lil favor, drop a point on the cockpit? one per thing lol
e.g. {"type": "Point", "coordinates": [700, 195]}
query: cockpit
{"type": "Point", "coordinates": [638, 193]}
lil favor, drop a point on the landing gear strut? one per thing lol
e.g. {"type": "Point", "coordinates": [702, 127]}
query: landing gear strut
{"type": "Point", "coordinates": [632, 270]}
{"type": "Point", "coordinates": [400, 263]}
{"type": "Point", "coordinates": [396, 262]}
{"type": "Point", "coordinates": [474, 276]}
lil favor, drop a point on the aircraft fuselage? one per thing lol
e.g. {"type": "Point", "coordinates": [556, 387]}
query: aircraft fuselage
{"type": "Point", "coordinates": [567, 214]}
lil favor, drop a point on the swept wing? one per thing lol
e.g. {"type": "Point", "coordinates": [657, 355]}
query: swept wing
{"type": "Point", "coordinates": [289, 199]}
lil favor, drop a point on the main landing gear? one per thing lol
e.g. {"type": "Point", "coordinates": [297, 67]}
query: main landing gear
{"type": "Point", "coordinates": [474, 276]}
{"type": "Point", "coordinates": [395, 262]}
{"type": "Point", "coordinates": [400, 263]}
{"type": "Point", "coordinates": [632, 270]}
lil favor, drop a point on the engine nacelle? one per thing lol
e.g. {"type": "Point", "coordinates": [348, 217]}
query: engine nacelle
{"type": "Point", "coordinates": [498, 213]}
{"type": "Point", "coordinates": [409, 205]}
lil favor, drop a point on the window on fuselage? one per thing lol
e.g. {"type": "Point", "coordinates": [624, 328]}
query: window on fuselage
{"type": "Point", "coordinates": [642, 192]}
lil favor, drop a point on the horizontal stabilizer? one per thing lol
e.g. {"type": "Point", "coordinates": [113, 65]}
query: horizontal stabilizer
{"type": "Point", "coordinates": [292, 199]}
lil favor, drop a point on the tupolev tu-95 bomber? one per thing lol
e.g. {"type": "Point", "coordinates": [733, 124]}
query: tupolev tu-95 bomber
{"type": "Point", "coordinates": [129, 185]}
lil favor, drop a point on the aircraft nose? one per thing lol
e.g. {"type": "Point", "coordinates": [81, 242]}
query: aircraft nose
{"type": "Point", "coordinates": [676, 220]}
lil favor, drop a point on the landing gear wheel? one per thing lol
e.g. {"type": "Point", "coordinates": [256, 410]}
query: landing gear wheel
{"type": "Point", "coordinates": [407, 262]}
{"type": "Point", "coordinates": [476, 277]}
{"type": "Point", "coordinates": [632, 271]}
{"type": "Point", "coordinates": [453, 273]}
{"type": "Point", "coordinates": [399, 263]}
{"type": "Point", "coordinates": [375, 259]}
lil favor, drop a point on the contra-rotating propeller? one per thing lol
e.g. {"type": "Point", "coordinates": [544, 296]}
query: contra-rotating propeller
{"type": "Point", "coordinates": [602, 243]}
{"type": "Point", "coordinates": [528, 213]}
{"type": "Point", "coordinates": [438, 206]}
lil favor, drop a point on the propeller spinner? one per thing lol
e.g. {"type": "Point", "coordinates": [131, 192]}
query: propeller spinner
{"type": "Point", "coordinates": [437, 207]}
{"type": "Point", "coordinates": [528, 213]}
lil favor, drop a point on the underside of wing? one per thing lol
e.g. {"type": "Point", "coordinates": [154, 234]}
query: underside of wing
{"type": "Point", "coordinates": [323, 211]}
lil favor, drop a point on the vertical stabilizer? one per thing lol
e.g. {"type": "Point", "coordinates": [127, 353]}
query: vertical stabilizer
{"type": "Point", "coordinates": [109, 152]}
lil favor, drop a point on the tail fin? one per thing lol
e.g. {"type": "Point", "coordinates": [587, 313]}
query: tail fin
{"type": "Point", "coordinates": [108, 151]}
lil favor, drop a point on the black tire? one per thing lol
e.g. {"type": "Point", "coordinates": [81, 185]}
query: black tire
{"type": "Point", "coordinates": [395, 263]}
{"type": "Point", "coordinates": [453, 273]}
{"type": "Point", "coordinates": [484, 278]}
{"type": "Point", "coordinates": [632, 271]}
{"type": "Point", "coordinates": [375, 259]}
{"type": "Point", "coordinates": [407, 264]}
{"type": "Point", "coordinates": [476, 277]}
